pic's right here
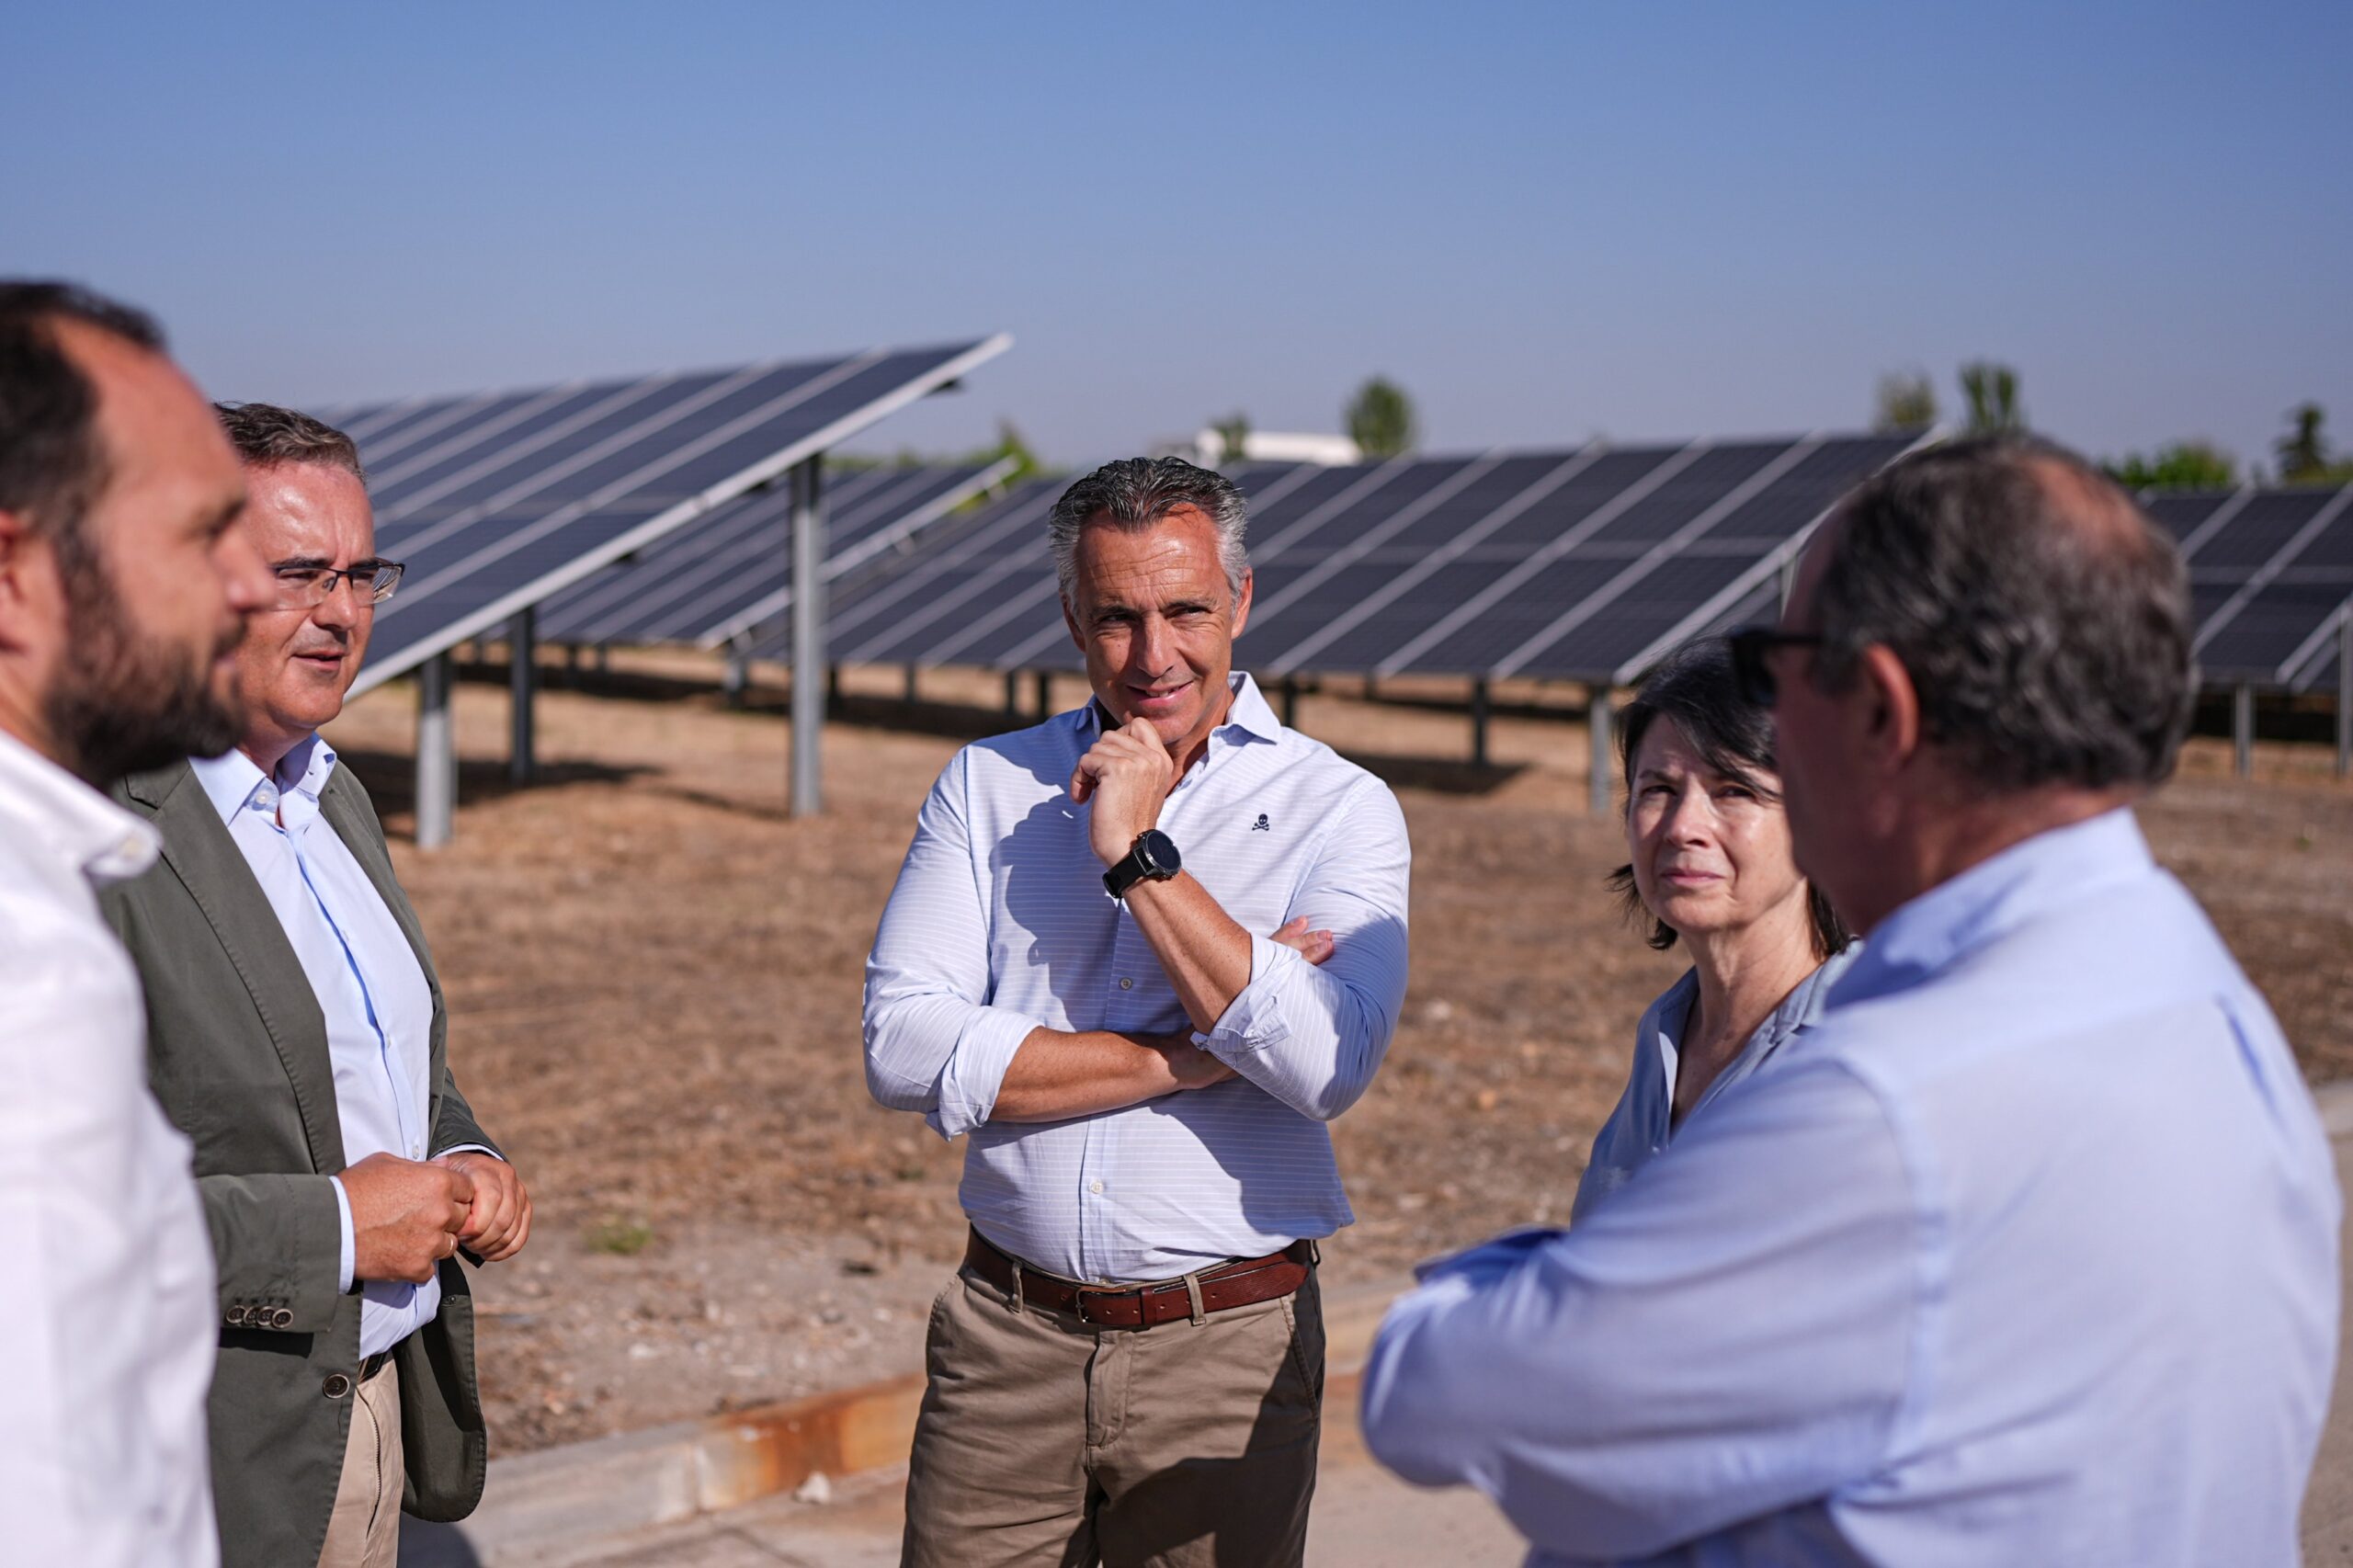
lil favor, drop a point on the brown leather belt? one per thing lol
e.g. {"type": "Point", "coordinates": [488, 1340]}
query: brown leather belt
{"type": "Point", "coordinates": [1241, 1283]}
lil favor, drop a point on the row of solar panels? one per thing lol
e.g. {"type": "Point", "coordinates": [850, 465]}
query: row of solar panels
{"type": "Point", "coordinates": [646, 511]}
{"type": "Point", "coordinates": [1581, 564]}
{"type": "Point", "coordinates": [2270, 579]}
{"type": "Point", "coordinates": [731, 571]}
{"type": "Point", "coordinates": [498, 502]}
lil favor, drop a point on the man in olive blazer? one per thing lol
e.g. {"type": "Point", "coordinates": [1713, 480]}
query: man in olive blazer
{"type": "Point", "coordinates": [237, 1055]}
{"type": "Point", "coordinates": [297, 1034]}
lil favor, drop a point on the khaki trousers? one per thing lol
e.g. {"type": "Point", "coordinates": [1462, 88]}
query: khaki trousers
{"type": "Point", "coordinates": [1046, 1441]}
{"type": "Point", "coordinates": [364, 1531]}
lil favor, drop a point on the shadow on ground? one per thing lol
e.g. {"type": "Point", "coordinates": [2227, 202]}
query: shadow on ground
{"type": "Point", "coordinates": [426, 1545]}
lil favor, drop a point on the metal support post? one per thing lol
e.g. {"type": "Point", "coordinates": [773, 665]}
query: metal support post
{"type": "Point", "coordinates": [1044, 684]}
{"type": "Point", "coordinates": [1598, 789]}
{"type": "Point", "coordinates": [1479, 722]}
{"type": "Point", "coordinates": [571, 662]}
{"type": "Point", "coordinates": [437, 757]}
{"type": "Point", "coordinates": [522, 693]}
{"type": "Point", "coordinates": [832, 688]}
{"type": "Point", "coordinates": [808, 634]}
{"type": "Point", "coordinates": [1013, 692]}
{"type": "Point", "coordinates": [2345, 696]}
{"type": "Point", "coordinates": [2242, 730]}
{"type": "Point", "coordinates": [909, 696]}
{"type": "Point", "coordinates": [738, 676]}
{"type": "Point", "coordinates": [1290, 703]}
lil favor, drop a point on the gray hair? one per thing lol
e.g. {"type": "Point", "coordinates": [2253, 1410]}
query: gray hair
{"type": "Point", "coordinates": [1136, 492]}
{"type": "Point", "coordinates": [265, 435]}
{"type": "Point", "coordinates": [2043, 619]}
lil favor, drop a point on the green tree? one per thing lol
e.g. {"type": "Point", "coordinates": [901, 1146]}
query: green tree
{"type": "Point", "coordinates": [1010, 443]}
{"type": "Point", "coordinates": [1233, 437]}
{"type": "Point", "coordinates": [1907, 401]}
{"type": "Point", "coordinates": [2304, 450]}
{"type": "Point", "coordinates": [1991, 393]}
{"type": "Point", "coordinates": [2177, 465]}
{"type": "Point", "coordinates": [1380, 419]}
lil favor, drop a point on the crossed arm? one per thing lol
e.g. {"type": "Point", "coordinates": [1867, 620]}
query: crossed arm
{"type": "Point", "coordinates": [1304, 1013]}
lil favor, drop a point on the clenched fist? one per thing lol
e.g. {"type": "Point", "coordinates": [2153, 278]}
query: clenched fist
{"type": "Point", "coordinates": [405, 1216]}
{"type": "Point", "coordinates": [1128, 774]}
{"type": "Point", "coordinates": [500, 1221]}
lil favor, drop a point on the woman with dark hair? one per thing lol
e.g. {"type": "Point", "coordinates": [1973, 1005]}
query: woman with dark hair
{"type": "Point", "coordinates": [1709, 869]}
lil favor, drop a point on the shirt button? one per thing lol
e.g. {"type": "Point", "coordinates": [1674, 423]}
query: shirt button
{"type": "Point", "coordinates": [1095, 1187]}
{"type": "Point", "coordinates": [1126, 983]}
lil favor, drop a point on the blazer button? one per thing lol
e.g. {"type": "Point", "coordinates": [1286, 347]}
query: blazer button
{"type": "Point", "coordinates": [282, 1318]}
{"type": "Point", "coordinates": [338, 1386]}
{"type": "Point", "coordinates": [234, 1317]}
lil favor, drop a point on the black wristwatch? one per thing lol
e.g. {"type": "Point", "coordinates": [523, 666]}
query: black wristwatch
{"type": "Point", "coordinates": [1153, 859]}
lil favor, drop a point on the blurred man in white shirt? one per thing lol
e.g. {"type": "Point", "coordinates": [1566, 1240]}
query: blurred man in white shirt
{"type": "Point", "coordinates": [124, 584]}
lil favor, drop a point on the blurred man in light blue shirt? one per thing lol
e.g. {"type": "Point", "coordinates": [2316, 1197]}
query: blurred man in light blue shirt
{"type": "Point", "coordinates": [2027, 1254]}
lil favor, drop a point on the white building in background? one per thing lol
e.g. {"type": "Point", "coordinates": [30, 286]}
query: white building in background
{"type": "Point", "coordinates": [1207, 448]}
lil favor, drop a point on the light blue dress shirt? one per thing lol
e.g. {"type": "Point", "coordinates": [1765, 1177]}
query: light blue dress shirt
{"type": "Point", "coordinates": [999, 923]}
{"type": "Point", "coordinates": [377, 1007]}
{"type": "Point", "coordinates": [1644, 1123]}
{"type": "Point", "coordinates": [2027, 1254]}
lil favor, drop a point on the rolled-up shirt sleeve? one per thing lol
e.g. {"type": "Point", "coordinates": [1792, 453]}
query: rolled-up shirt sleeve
{"type": "Point", "coordinates": [1729, 1335]}
{"type": "Point", "coordinates": [1312, 1035]}
{"type": "Point", "coordinates": [933, 1043]}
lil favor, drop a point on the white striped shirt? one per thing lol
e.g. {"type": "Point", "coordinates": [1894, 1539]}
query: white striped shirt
{"type": "Point", "coordinates": [999, 925]}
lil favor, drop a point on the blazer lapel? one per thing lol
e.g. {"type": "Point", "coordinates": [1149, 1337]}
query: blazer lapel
{"type": "Point", "coordinates": [341, 804]}
{"type": "Point", "coordinates": [197, 848]}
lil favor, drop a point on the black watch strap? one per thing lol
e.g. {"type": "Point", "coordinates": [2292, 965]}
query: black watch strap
{"type": "Point", "coordinates": [1140, 864]}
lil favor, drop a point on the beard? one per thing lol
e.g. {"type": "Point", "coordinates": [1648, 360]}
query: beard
{"type": "Point", "coordinates": [123, 702]}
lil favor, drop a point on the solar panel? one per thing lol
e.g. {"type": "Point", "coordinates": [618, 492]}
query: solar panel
{"type": "Point", "coordinates": [1584, 565]}
{"type": "Point", "coordinates": [2269, 584]}
{"type": "Point", "coordinates": [496, 502]}
{"type": "Point", "coordinates": [731, 570]}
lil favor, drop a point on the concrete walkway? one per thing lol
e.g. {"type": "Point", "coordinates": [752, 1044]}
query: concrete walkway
{"type": "Point", "coordinates": [1363, 1518]}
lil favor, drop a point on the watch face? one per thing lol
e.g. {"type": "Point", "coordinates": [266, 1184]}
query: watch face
{"type": "Point", "coordinates": [1161, 851]}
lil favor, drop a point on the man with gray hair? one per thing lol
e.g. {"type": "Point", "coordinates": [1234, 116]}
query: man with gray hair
{"type": "Point", "coordinates": [2026, 1252]}
{"type": "Point", "coordinates": [297, 1032]}
{"type": "Point", "coordinates": [1130, 1366]}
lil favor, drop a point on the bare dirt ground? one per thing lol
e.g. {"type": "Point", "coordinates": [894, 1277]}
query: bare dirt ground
{"type": "Point", "coordinates": [653, 975]}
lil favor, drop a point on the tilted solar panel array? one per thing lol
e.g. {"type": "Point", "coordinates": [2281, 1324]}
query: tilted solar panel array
{"type": "Point", "coordinates": [730, 570]}
{"type": "Point", "coordinates": [2270, 578]}
{"type": "Point", "coordinates": [1584, 565]}
{"type": "Point", "coordinates": [952, 579]}
{"type": "Point", "coordinates": [497, 501]}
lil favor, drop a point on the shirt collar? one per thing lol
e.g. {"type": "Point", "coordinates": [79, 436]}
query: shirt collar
{"type": "Point", "coordinates": [2047, 871]}
{"type": "Point", "coordinates": [1250, 713]}
{"type": "Point", "coordinates": [104, 842]}
{"type": "Point", "coordinates": [232, 780]}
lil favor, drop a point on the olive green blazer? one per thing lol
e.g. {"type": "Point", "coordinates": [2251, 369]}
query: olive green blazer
{"type": "Point", "coordinates": [237, 1054]}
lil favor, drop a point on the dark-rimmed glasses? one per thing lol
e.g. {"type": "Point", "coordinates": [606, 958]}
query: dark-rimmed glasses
{"type": "Point", "coordinates": [301, 585]}
{"type": "Point", "coordinates": [1750, 672]}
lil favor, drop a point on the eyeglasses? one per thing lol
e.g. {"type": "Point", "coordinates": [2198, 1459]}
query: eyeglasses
{"type": "Point", "coordinates": [304, 587]}
{"type": "Point", "coordinates": [1750, 672]}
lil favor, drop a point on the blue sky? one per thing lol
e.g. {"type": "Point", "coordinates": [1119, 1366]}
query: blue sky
{"type": "Point", "coordinates": [1547, 221]}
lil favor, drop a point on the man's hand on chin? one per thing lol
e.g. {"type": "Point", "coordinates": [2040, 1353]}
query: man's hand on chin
{"type": "Point", "coordinates": [499, 1221]}
{"type": "Point", "coordinates": [1128, 774]}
